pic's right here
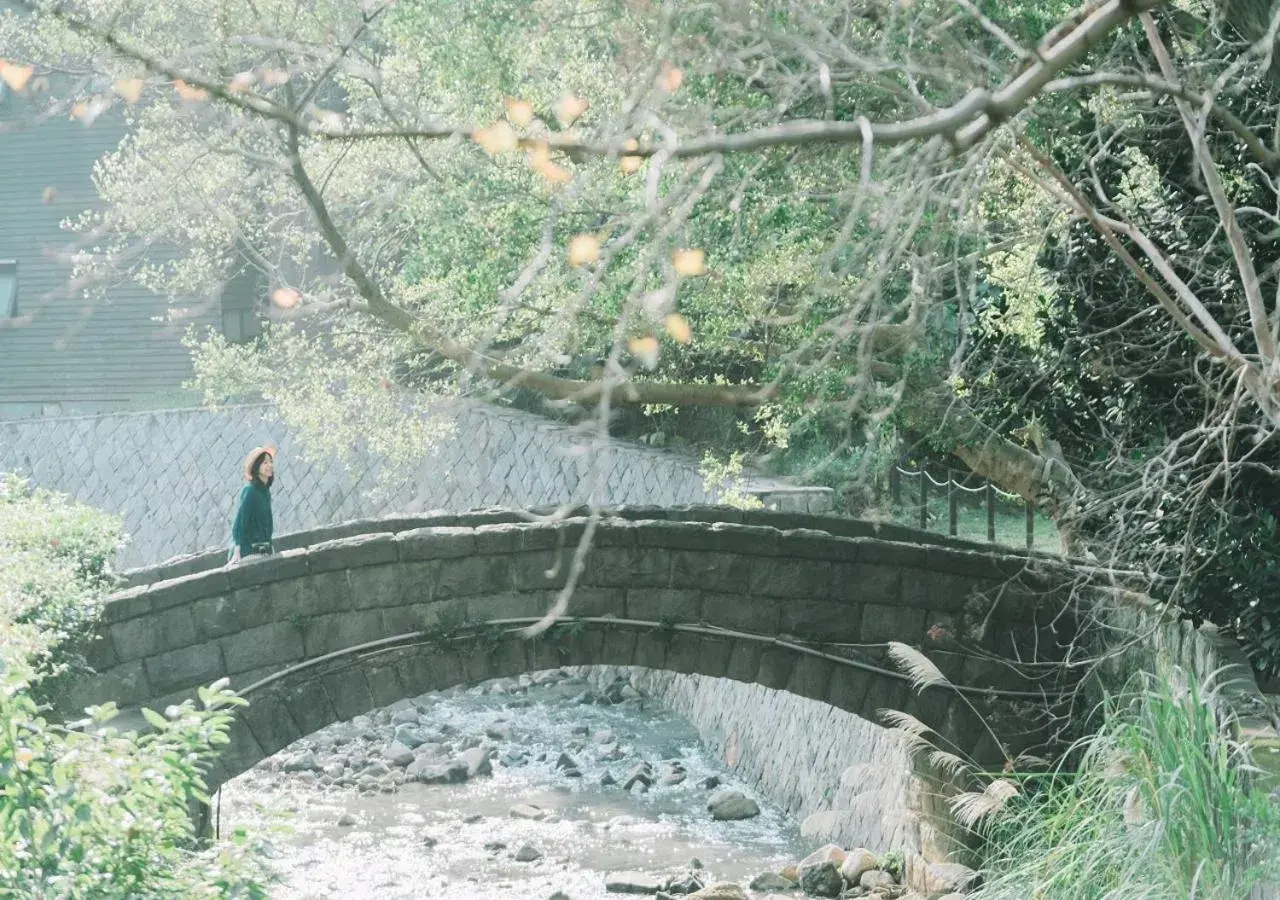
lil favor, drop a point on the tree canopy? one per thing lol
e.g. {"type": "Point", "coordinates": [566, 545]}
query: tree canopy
{"type": "Point", "coordinates": [1034, 238]}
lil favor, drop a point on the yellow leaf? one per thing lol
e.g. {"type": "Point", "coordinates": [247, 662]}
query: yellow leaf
{"type": "Point", "coordinates": [539, 154]}
{"type": "Point", "coordinates": [88, 111]}
{"type": "Point", "coordinates": [670, 79]}
{"type": "Point", "coordinates": [240, 82]}
{"type": "Point", "coordinates": [583, 249]}
{"type": "Point", "coordinates": [553, 173]}
{"type": "Point", "coordinates": [645, 349]}
{"type": "Point", "coordinates": [570, 108]}
{"type": "Point", "coordinates": [630, 164]}
{"type": "Point", "coordinates": [689, 262]}
{"type": "Point", "coordinates": [497, 138]}
{"type": "Point", "coordinates": [14, 75]}
{"type": "Point", "coordinates": [520, 112]}
{"type": "Point", "coordinates": [50, 194]}
{"type": "Point", "coordinates": [189, 93]}
{"type": "Point", "coordinates": [129, 89]}
{"type": "Point", "coordinates": [285, 297]}
{"type": "Point", "coordinates": [678, 327]}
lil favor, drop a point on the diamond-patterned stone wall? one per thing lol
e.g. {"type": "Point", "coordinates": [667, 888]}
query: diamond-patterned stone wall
{"type": "Point", "coordinates": [173, 475]}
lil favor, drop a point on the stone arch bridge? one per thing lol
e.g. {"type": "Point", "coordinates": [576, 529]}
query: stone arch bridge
{"type": "Point", "coordinates": [359, 615]}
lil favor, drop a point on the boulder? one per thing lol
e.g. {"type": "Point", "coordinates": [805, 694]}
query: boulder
{"type": "Point", "coordinates": [528, 811]}
{"type": "Point", "coordinates": [528, 853]}
{"type": "Point", "coordinates": [710, 783]}
{"type": "Point", "coordinates": [427, 772]}
{"type": "Point", "coordinates": [407, 716]}
{"type": "Point", "coordinates": [476, 760]}
{"type": "Point", "coordinates": [876, 878]}
{"type": "Point", "coordinates": [681, 885]}
{"type": "Point", "coordinates": [632, 883]}
{"type": "Point", "coordinates": [397, 754]}
{"type": "Point", "coordinates": [720, 892]}
{"type": "Point", "coordinates": [346, 820]}
{"type": "Point", "coordinates": [728, 805]}
{"type": "Point", "coordinates": [410, 736]}
{"type": "Point", "coordinates": [948, 878]}
{"type": "Point", "coordinates": [856, 862]}
{"type": "Point", "coordinates": [641, 774]}
{"type": "Point", "coordinates": [302, 762]}
{"type": "Point", "coordinates": [771, 881]}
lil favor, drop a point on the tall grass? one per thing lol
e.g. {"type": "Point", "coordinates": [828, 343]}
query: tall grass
{"type": "Point", "coordinates": [1158, 805]}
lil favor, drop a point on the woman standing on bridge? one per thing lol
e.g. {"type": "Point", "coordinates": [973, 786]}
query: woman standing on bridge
{"type": "Point", "coordinates": [251, 532]}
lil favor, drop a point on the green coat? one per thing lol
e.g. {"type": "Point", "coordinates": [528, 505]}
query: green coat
{"type": "Point", "coordinates": [253, 524]}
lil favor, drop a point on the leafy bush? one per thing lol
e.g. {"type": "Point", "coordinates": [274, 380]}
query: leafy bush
{"type": "Point", "coordinates": [1160, 805]}
{"type": "Point", "coordinates": [90, 811]}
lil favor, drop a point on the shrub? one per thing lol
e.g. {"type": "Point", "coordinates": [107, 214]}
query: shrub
{"type": "Point", "coordinates": [89, 810]}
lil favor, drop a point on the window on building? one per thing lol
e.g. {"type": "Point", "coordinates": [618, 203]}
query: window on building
{"type": "Point", "coordinates": [241, 319]}
{"type": "Point", "coordinates": [8, 288]}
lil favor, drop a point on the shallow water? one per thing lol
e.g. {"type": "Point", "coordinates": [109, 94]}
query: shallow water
{"type": "Point", "coordinates": [460, 840]}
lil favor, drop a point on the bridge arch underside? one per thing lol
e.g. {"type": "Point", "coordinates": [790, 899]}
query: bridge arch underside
{"type": "Point", "coordinates": [330, 631]}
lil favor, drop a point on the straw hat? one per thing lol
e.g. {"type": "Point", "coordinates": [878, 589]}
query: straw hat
{"type": "Point", "coordinates": [269, 449]}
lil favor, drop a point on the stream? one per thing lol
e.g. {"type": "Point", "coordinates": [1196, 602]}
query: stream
{"type": "Point", "coordinates": [510, 789]}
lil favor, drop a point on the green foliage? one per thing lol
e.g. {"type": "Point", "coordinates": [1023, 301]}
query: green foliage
{"type": "Point", "coordinates": [55, 569]}
{"type": "Point", "coordinates": [1159, 805]}
{"type": "Point", "coordinates": [723, 481]}
{"type": "Point", "coordinates": [91, 811]}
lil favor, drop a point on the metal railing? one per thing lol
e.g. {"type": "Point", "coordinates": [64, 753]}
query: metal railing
{"type": "Point", "coordinates": [959, 496]}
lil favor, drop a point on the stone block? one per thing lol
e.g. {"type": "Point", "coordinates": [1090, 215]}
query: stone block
{"type": "Point", "coordinates": [397, 620]}
{"type": "Point", "coordinates": [664, 605]}
{"type": "Point", "coordinates": [810, 677]}
{"type": "Point", "coordinates": [585, 648]}
{"type": "Point", "coordinates": [272, 644]}
{"type": "Point", "coordinates": [242, 753]}
{"type": "Point", "coordinates": [435, 543]}
{"type": "Point", "coordinates": [618, 647]}
{"type": "Point", "coordinates": [540, 570]}
{"type": "Point", "coordinates": [941, 591]}
{"type": "Point", "coordinates": [348, 693]}
{"type": "Point", "coordinates": [218, 616]}
{"type": "Point", "coordinates": [547, 650]}
{"type": "Point", "coordinates": [500, 538]}
{"type": "Point", "coordinates": [189, 667]}
{"type": "Point", "coordinates": [715, 655]}
{"type": "Point", "coordinates": [818, 620]}
{"type": "Point", "coordinates": [417, 581]}
{"type": "Point", "coordinates": [651, 649]}
{"type": "Point", "coordinates": [446, 665]}
{"type": "Point", "coordinates": [474, 575]}
{"type": "Point", "coordinates": [99, 655]}
{"type": "Point", "coordinates": [325, 634]}
{"type": "Point", "coordinates": [126, 684]}
{"type": "Point", "coordinates": [627, 567]}
{"type": "Point", "coordinates": [590, 601]}
{"type": "Point", "coordinates": [188, 588]}
{"type": "Point", "coordinates": [744, 660]}
{"type": "Point", "coordinates": [721, 572]}
{"type": "Point", "coordinates": [127, 604]}
{"type": "Point", "coordinates": [508, 658]}
{"type": "Point", "coordinates": [309, 706]}
{"type": "Point", "coordinates": [685, 653]}
{"type": "Point", "coordinates": [881, 624]}
{"type": "Point", "coordinates": [415, 673]}
{"type": "Point", "coordinates": [789, 579]}
{"type": "Point", "coordinates": [376, 586]}
{"type": "Point", "coordinates": [757, 615]}
{"type": "Point", "coordinates": [563, 536]}
{"type": "Point", "coordinates": [271, 722]}
{"type": "Point", "coordinates": [353, 552]}
{"type": "Point", "coordinates": [865, 583]}
{"type": "Point", "coordinates": [776, 664]}
{"type": "Point", "coordinates": [384, 683]}
{"type": "Point", "coordinates": [157, 633]}
{"type": "Point", "coordinates": [848, 688]}
{"type": "Point", "coordinates": [314, 595]}
{"type": "Point", "coordinates": [509, 605]}
{"type": "Point", "coordinates": [477, 665]}
{"type": "Point", "coordinates": [255, 570]}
